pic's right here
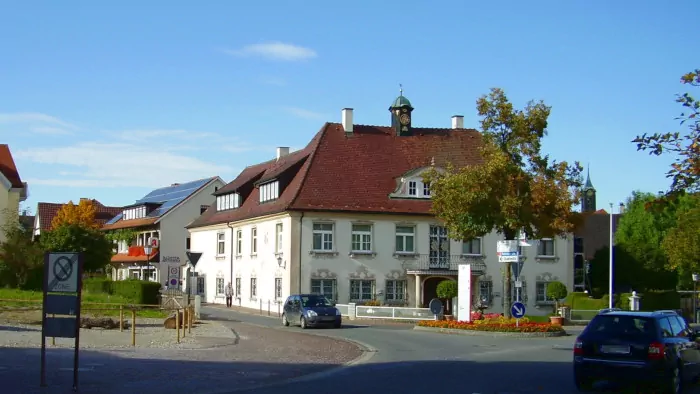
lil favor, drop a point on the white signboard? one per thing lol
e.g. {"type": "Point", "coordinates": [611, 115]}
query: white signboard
{"type": "Point", "coordinates": [464, 293]}
{"type": "Point", "coordinates": [507, 251]}
{"type": "Point", "coordinates": [62, 273]}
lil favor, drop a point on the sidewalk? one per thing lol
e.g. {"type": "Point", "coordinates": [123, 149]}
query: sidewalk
{"type": "Point", "coordinates": [256, 356]}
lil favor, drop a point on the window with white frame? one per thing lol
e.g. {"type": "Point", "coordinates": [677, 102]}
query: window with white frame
{"type": "Point", "coordinates": [278, 288]}
{"type": "Point", "coordinates": [254, 240]}
{"type": "Point", "coordinates": [239, 242]}
{"type": "Point", "coordinates": [395, 290]}
{"type": "Point", "coordinates": [325, 287]}
{"type": "Point", "coordinates": [134, 213]}
{"type": "Point", "coordinates": [228, 201]}
{"type": "Point", "coordinates": [541, 290]}
{"type": "Point", "coordinates": [418, 188]}
{"type": "Point", "coordinates": [485, 291]}
{"type": "Point", "coordinates": [545, 247]}
{"type": "Point", "coordinates": [269, 191]}
{"type": "Point", "coordinates": [361, 238]}
{"type": "Point", "coordinates": [220, 243]}
{"type": "Point", "coordinates": [522, 290]}
{"type": "Point", "coordinates": [472, 246]}
{"type": "Point", "coordinates": [412, 188]}
{"type": "Point", "coordinates": [278, 237]}
{"type": "Point", "coordinates": [219, 286]}
{"type": "Point", "coordinates": [361, 290]}
{"type": "Point", "coordinates": [426, 189]}
{"type": "Point", "coordinates": [253, 288]}
{"type": "Point", "coordinates": [238, 287]}
{"type": "Point", "coordinates": [323, 237]}
{"type": "Point", "coordinates": [405, 239]}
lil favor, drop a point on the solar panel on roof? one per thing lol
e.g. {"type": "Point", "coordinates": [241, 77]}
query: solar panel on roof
{"type": "Point", "coordinates": [114, 219]}
{"type": "Point", "coordinates": [171, 196]}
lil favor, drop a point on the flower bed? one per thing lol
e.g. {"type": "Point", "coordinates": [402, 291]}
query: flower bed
{"type": "Point", "coordinates": [493, 323]}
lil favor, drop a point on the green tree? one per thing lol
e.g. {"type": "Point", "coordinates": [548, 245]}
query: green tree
{"type": "Point", "coordinates": [682, 242]}
{"type": "Point", "coordinates": [93, 243]}
{"type": "Point", "coordinates": [556, 291]}
{"type": "Point", "coordinates": [685, 171]}
{"type": "Point", "coordinates": [21, 260]}
{"type": "Point", "coordinates": [515, 187]}
{"type": "Point", "coordinates": [447, 289]}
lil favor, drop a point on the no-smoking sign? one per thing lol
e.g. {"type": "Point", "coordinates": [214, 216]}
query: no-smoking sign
{"type": "Point", "coordinates": [62, 273]}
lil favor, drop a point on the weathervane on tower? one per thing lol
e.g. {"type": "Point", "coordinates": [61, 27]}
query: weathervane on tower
{"type": "Point", "coordinates": [401, 89]}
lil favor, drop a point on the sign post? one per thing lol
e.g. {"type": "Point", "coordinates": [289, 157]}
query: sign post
{"type": "Point", "coordinates": [464, 293]}
{"type": "Point", "coordinates": [193, 258]}
{"type": "Point", "coordinates": [63, 282]}
{"type": "Point", "coordinates": [517, 311]}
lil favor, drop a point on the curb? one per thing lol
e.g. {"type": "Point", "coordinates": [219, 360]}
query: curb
{"type": "Point", "coordinates": [367, 353]}
{"type": "Point", "coordinates": [492, 333]}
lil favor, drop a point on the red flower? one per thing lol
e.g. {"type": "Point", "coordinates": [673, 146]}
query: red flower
{"type": "Point", "coordinates": [496, 327]}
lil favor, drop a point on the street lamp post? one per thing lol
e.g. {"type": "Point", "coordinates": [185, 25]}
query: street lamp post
{"type": "Point", "coordinates": [611, 301]}
{"type": "Point", "coordinates": [280, 262]}
{"type": "Point", "coordinates": [696, 278]}
{"type": "Point", "coordinates": [148, 249]}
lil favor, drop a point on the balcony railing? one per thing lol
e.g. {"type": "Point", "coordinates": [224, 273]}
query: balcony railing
{"type": "Point", "coordinates": [425, 262]}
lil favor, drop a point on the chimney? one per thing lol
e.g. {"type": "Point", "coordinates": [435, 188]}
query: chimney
{"type": "Point", "coordinates": [282, 151]}
{"type": "Point", "coordinates": [174, 184]}
{"type": "Point", "coordinates": [458, 122]}
{"type": "Point", "coordinates": [346, 120]}
{"type": "Point", "coordinates": [622, 208]}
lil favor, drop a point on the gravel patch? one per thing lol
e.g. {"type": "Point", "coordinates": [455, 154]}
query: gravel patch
{"type": "Point", "coordinates": [149, 334]}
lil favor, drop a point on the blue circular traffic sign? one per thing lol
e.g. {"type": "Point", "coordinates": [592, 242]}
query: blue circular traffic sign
{"type": "Point", "coordinates": [517, 310]}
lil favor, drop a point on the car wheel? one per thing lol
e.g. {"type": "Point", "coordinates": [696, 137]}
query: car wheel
{"type": "Point", "coordinates": [674, 382]}
{"type": "Point", "coordinates": [302, 323]}
{"type": "Point", "coordinates": [336, 325]}
{"type": "Point", "coordinates": [285, 322]}
{"type": "Point", "coordinates": [583, 384]}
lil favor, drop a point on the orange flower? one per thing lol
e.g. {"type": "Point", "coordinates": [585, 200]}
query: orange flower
{"type": "Point", "coordinates": [494, 325]}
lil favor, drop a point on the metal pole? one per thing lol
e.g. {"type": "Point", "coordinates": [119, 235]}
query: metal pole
{"type": "Point", "coordinates": [695, 301]}
{"type": "Point", "coordinates": [611, 301]}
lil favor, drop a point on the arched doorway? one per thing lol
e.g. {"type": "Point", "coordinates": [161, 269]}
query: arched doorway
{"type": "Point", "coordinates": [430, 290]}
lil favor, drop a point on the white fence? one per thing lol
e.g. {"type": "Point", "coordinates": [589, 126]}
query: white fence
{"type": "Point", "coordinates": [384, 312]}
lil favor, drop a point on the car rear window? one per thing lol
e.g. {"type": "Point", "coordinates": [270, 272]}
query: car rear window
{"type": "Point", "coordinates": [622, 326]}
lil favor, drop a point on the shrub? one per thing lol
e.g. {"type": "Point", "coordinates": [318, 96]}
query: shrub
{"type": "Point", "coordinates": [556, 291]}
{"type": "Point", "coordinates": [135, 291]}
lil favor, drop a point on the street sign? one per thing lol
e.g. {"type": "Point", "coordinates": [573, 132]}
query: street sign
{"type": "Point", "coordinates": [517, 310]}
{"type": "Point", "coordinates": [154, 242]}
{"type": "Point", "coordinates": [507, 251]}
{"type": "Point", "coordinates": [193, 257]}
{"type": "Point", "coordinates": [435, 306]}
{"type": "Point", "coordinates": [464, 293]}
{"type": "Point", "coordinates": [517, 268]}
{"type": "Point", "coordinates": [63, 272]}
{"type": "Point", "coordinates": [63, 282]}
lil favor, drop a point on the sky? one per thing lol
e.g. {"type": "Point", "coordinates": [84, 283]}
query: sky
{"type": "Point", "coordinates": [109, 100]}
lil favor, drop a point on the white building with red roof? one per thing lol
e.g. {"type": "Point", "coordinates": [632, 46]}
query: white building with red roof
{"type": "Point", "coordinates": [13, 190]}
{"type": "Point", "coordinates": [348, 216]}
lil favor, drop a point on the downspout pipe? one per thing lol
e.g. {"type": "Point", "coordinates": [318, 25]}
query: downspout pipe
{"type": "Point", "coordinates": [301, 238]}
{"type": "Point", "coordinates": [231, 256]}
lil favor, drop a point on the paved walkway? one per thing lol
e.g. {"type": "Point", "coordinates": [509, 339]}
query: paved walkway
{"type": "Point", "coordinates": [249, 357]}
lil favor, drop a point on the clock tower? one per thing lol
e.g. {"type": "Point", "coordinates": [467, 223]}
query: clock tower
{"type": "Point", "coordinates": [401, 111]}
{"type": "Point", "coordinates": [588, 203]}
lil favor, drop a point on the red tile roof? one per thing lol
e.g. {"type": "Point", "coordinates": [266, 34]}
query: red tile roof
{"type": "Point", "coordinates": [128, 223]}
{"type": "Point", "coordinates": [8, 168]}
{"type": "Point", "coordinates": [46, 211]}
{"type": "Point", "coordinates": [357, 172]}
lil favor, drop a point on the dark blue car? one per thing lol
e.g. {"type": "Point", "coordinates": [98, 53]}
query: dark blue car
{"type": "Point", "coordinates": [310, 310]}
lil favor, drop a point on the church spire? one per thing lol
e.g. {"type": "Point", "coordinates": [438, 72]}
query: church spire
{"type": "Point", "coordinates": [589, 184]}
{"type": "Point", "coordinates": [588, 200]}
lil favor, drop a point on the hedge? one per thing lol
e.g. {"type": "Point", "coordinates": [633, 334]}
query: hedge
{"type": "Point", "coordinates": [651, 300]}
{"type": "Point", "coordinates": [136, 291]}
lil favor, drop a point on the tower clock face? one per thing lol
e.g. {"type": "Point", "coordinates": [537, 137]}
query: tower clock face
{"type": "Point", "coordinates": [404, 119]}
{"type": "Point", "coordinates": [590, 193]}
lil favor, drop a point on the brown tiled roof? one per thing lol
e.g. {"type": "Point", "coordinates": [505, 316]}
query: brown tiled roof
{"type": "Point", "coordinates": [335, 172]}
{"type": "Point", "coordinates": [129, 223]}
{"type": "Point", "coordinates": [46, 211]}
{"type": "Point", "coordinates": [8, 168]}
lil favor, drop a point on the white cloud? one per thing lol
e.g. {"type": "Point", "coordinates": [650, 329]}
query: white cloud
{"type": "Point", "coordinates": [275, 51]}
{"type": "Point", "coordinates": [34, 118]}
{"type": "Point", "coordinates": [151, 134]}
{"type": "Point", "coordinates": [305, 113]}
{"type": "Point", "coordinates": [118, 165]}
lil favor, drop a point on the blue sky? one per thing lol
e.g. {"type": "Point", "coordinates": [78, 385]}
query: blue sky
{"type": "Point", "coordinates": [110, 101]}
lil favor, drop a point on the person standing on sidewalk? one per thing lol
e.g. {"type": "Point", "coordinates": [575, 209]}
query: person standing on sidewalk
{"type": "Point", "coordinates": [229, 295]}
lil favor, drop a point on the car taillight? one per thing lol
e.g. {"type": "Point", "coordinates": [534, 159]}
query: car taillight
{"type": "Point", "coordinates": [578, 348]}
{"type": "Point", "coordinates": [656, 351]}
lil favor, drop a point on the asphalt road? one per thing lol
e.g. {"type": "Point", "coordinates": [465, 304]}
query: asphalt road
{"type": "Point", "coordinates": [407, 361]}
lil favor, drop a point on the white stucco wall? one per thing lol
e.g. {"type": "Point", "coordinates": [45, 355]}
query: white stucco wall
{"type": "Point", "coordinates": [383, 264]}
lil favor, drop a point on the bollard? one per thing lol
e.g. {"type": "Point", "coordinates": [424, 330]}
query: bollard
{"type": "Point", "coordinates": [278, 310]}
{"type": "Point", "coordinates": [177, 324]}
{"type": "Point", "coordinates": [121, 318]}
{"type": "Point", "coordinates": [53, 339]}
{"type": "Point", "coordinates": [261, 306]}
{"type": "Point", "coordinates": [268, 307]}
{"type": "Point", "coordinates": [185, 319]}
{"type": "Point", "coordinates": [133, 327]}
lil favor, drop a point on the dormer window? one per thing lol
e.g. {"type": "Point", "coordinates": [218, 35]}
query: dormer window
{"type": "Point", "coordinates": [228, 201]}
{"type": "Point", "coordinates": [412, 188]}
{"type": "Point", "coordinates": [411, 185]}
{"type": "Point", "coordinates": [269, 191]}
{"type": "Point", "coordinates": [134, 213]}
{"type": "Point", "coordinates": [417, 189]}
